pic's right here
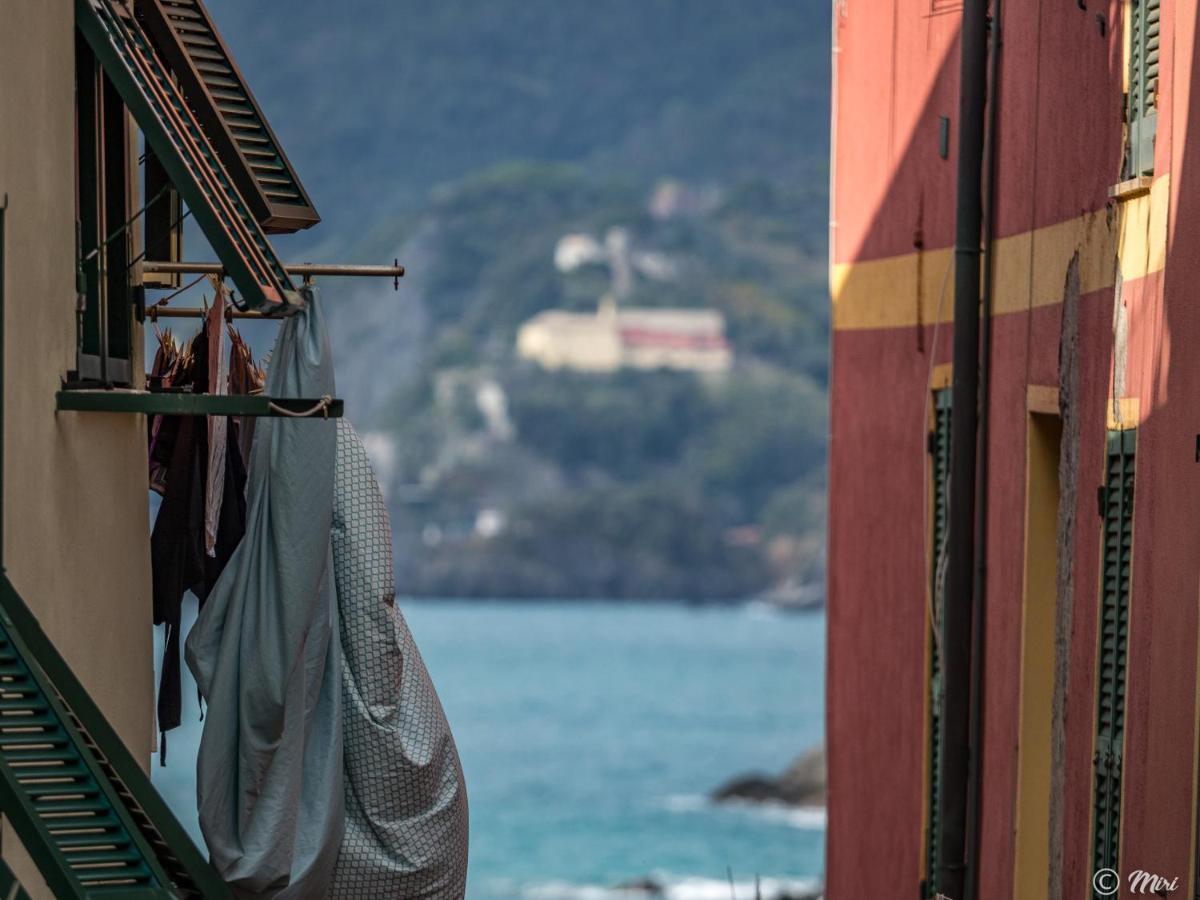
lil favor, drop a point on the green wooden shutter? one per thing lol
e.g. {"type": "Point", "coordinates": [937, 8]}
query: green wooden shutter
{"type": "Point", "coordinates": [188, 39]}
{"type": "Point", "coordinates": [1142, 105]}
{"type": "Point", "coordinates": [187, 154]}
{"type": "Point", "coordinates": [1117, 506]}
{"type": "Point", "coordinates": [939, 451]}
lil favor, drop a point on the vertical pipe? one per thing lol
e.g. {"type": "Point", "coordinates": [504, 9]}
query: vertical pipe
{"type": "Point", "coordinates": [978, 641]}
{"type": "Point", "coordinates": [964, 416]}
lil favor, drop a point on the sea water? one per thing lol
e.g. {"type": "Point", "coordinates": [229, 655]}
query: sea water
{"type": "Point", "coordinates": [591, 734]}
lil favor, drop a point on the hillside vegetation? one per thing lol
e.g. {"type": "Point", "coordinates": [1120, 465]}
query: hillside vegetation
{"type": "Point", "coordinates": [467, 138]}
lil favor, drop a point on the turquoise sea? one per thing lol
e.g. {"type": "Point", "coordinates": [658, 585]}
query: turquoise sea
{"type": "Point", "coordinates": [590, 734]}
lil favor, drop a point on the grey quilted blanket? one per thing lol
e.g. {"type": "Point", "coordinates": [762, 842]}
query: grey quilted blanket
{"type": "Point", "coordinates": [406, 802]}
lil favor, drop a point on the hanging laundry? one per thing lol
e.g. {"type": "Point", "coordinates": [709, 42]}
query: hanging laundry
{"type": "Point", "coordinates": [266, 652]}
{"type": "Point", "coordinates": [180, 562]}
{"type": "Point", "coordinates": [159, 378]}
{"type": "Point", "coordinates": [406, 801]}
{"type": "Point", "coordinates": [218, 426]}
{"type": "Point", "coordinates": [245, 377]}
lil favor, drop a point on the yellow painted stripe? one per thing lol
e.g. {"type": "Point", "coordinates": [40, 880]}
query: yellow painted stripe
{"type": "Point", "coordinates": [1030, 268]}
{"type": "Point", "coordinates": [1123, 414]}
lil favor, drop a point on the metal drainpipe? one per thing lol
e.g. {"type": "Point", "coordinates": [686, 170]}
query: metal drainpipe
{"type": "Point", "coordinates": [964, 418]}
{"type": "Point", "coordinates": [978, 641]}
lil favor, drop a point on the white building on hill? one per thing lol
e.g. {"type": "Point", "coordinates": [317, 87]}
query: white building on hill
{"type": "Point", "coordinates": [611, 338]}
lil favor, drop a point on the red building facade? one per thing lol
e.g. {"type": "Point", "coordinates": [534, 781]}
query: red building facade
{"type": "Point", "coordinates": [1091, 637]}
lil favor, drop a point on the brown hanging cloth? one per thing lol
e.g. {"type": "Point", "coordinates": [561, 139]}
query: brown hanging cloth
{"type": "Point", "coordinates": [180, 562]}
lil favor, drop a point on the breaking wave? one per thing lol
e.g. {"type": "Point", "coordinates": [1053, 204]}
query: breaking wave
{"type": "Point", "coordinates": [807, 818]}
{"type": "Point", "coordinates": [682, 888]}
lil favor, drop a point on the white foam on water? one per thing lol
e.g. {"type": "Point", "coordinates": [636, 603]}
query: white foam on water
{"type": "Point", "coordinates": [686, 803]}
{"type": "Point", "coordinates": [806, 818]}
{"type": "Point", "coordinates": [682, 888]}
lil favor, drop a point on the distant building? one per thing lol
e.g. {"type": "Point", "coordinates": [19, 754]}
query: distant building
{"type": "Point", "coordinates": [614, 337]}
{"type": "Point", "coordinates": [684, 339]}
{"type": "Point", "coordinates": [576, 250]}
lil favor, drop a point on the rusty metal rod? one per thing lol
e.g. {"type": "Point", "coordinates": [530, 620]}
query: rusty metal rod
{"type": "Point", "coordinates": [303, 269]}
{"type": "Point", "coordinates": [153, 313]}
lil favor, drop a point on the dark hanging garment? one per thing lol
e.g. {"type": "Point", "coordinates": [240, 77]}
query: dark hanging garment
{"type": "Point", "coordinates": [245, 377]}
{"type": "Point", "coordinates": [166, 366]}
{"type": "Point", "coordinates": [178, 559]}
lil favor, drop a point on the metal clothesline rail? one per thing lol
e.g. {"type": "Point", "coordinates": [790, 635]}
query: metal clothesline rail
{"type": "Point", "coordinates": [154, 313]}
{"type": "Point", "coordinates": [305, 270]}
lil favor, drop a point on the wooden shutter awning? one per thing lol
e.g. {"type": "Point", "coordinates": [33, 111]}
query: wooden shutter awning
{"type": "Point", "coordinates": [184, 33]}
{"type": "Point", "coordinates": [185, 151]}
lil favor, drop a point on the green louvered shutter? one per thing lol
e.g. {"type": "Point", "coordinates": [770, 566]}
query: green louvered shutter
{"type": "Point", "coordinates": [939, 451]}
{"type": "Point", "coordinates": [1142, 107]}
{"type": "Point", "coordinates": [188, 39]}
{"type": "Point", "coordinates": [1117, 506]}
{"type": "Point", "coordinates": [186, 153]}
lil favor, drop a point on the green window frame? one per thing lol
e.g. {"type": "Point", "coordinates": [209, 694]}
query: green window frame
{"type": "Point", "coordinates": [1116, 505]}
{"type": "Point", "coordinates": [939, 467]}
{"type": "Point", "coordinates": [104, 197]}
{"type": "Point", "coordinates": [1141, 107]}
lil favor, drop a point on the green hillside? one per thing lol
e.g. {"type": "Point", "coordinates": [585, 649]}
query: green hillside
{"type": "Point", "coordinates": [467, 138]}
{"type": "Point", "coordinates": [377, 101]}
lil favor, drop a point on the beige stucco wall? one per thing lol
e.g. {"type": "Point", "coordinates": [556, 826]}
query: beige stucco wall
{"type": "Point", "coordinates": [75, 520]}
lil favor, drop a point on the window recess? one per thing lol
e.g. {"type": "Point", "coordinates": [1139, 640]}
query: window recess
{"type": "Point", "coordinates": [181, 145]}
{"type": "Point", "coordinates": [190, 44]}
{"type": "Point", "coordinates": [1141, 108]}
{"type": "Point", "coordinates": [164, 217]}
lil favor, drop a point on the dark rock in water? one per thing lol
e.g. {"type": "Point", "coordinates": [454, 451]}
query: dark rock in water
{"type": "Point", "coordinates": [802, 784]}
{"type": "Point", "coordinates": [647, 886]}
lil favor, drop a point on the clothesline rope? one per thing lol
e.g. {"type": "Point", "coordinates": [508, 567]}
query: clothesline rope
{"type": "Point", "coordinates": [322, 406]}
